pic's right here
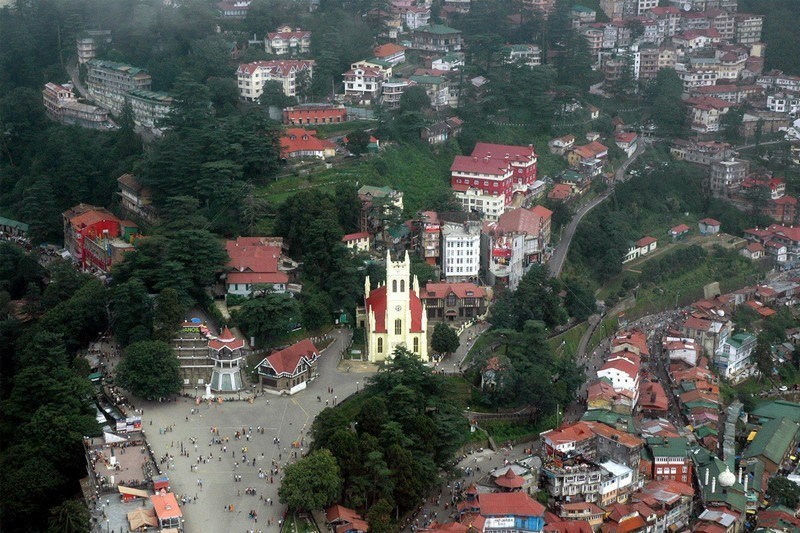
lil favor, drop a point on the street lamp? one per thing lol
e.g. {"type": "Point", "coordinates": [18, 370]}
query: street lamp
{"type": "Point", "coordinates": [108, 525]}
{"type": "Point", "coordinates": [195, 391]}
{"type": "Point", "coordinates": [356, 387]}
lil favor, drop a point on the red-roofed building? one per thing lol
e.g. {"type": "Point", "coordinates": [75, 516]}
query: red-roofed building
{"type": "Point", "coordinates": [583, 512]}
{"type": "Point", "coordinates": [570, 439]}
{"type": "Point", "coordinates": [560, 192]}
{"type": "Point", "coordinates": [503, 511]}
{"type": "Point", "coordinates": [393, 314]}
{"type": "Point", "coordinates": [256, 261]}
{"type": "Point", "coordinates": [288, 371]}
{"type": "Point", "coordinates": [653, 400]}
{"type": "Point", "coordinates": [679, 231]}
{"type": "Point", "coordinates": [361, 241]}
{"type": "Point", "coordinates": [96, 239]}
{"type": "Point", "coordinates": [453, 301]}
{"type": "Point", "coordinates": [286, 41]}
{"type": "Point", "coordinates": [509, 482]}
{"type": "Point", "coordinates": [391, 52]}
{"type": "Point", "coordinates": [601, 395]}
{"type": "Point", "coordinates": [627, 142]}
{"type": "Point", "coordinates": [588, 158]}
{"type": "Point", "coordinates": [568, 526]}
{"type": "Point", "coordinates": [315, 114]}
{"type": "Point", "coordinates": [624, 376]}
{"type": "Point", "coordinates": [493, 173]}
{"type": "Point", "coordinates": [517, 240]}
{"type": "Point", "coordinates": [302, 143]}
{"type": "Point", "coordinates": [709, 226]}
{"type": "Point", "coordinates": [344, 520]}
{"type": "Point", "coordinates": [363, 83]}
{"type": "Point", "coordinates": [706, 113]}
{"type": "Point", "coordinates": [753, 251]}
{"type": "Point", "coordinates": [783, 210]}
{"type": "Point", "coordinates": [168, 513]}
{"type": "Point", "coordinates": [643, 246]}
{"type": "Point", "coordinates": [227, 354]}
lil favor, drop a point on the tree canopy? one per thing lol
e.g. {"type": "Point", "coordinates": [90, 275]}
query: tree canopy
{"type": "Point", "coordinates": [311, 484]}
{"type": "Point", "coordinates": [149, 369]}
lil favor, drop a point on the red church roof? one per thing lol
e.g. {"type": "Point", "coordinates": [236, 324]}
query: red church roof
{"type": "Point", "coordinates": [510, 480]}
{"type": "Point", "coordinates": [377, 303]}
{"type": "Point", "coordinates": [226, 339]}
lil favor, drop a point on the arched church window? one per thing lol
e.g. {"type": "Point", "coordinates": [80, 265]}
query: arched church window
{"type": "Point", "coordinates": [398, 327]}
{"type": "Point", "coordinates": [394, 285]}
{"type": "Point", "coordinates": [380, 345]}
{"type": "Point", "coordinates": [402, 285]}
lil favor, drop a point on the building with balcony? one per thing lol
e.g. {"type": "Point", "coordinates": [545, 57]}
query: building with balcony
{"type": "Point", "coordinates": [454, 302]}
{"type": "Point", "coordinates": [512, 244]}
{"type": "Point", "coordinates": [748, 28]}
{"type": "Point", "coordinates": [363, 84]}
{"type": "Point", "coordinates": [733, 357]}
{"type": "Point", "coordinates": [109, 83]}
{"type": "Point", "coordinates": [436, 38]}
{"type": "Point", "coordinates": [461, 251]}
{"type": "Point", "coordinates": [61, 105]}
{"type": "Point", "coordinates": [286, 41]}
{"type": "Point", "coordinates": [135, 199]}
{"type": "Point", "coordinates": [251, 77]}
{"type": "Point", "coordinates": [314, 114]}
{"type": "Point", "coordinates": [727, 176]}
{"type": "Point", "coordinates": [87, 44]}
{"type": "Point", "coordinates": [392, 91]}
{"type": "Point", "coordinates": [254, 262]}
{"type": "Point", "coordinates": [529, 55]}
{"type": "Point", "coordinates": [149, 107]}
{"type": "Point", "coordinates": [95, 238]}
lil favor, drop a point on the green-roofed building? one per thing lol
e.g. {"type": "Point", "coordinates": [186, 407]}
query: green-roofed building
{"type": "Point", "coordinates": [436, 38]}
{"type": "Point", "coordinates": [767, 411]}
{"type": "Point", "coordinates": [13, 228]}
{"type": "Point", "coordinates": [149, 107]}
{"type": "Point", "coordinates": [773, 443]}
{"type": "Point", "coordinates": [610, 418]}
{"type": "Point", "coordinates": [109, 83]}
{"type": "Point", "coordinates": [670, 459]}
{"type": "Point", "coordinates": [717, 481]}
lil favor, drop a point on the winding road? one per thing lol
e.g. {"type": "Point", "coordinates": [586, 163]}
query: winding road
{"type": "Point", "coordinates": [556, 262]}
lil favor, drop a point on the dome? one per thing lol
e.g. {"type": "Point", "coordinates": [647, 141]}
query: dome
{"type": "Point", "coordinates": [727, 478]}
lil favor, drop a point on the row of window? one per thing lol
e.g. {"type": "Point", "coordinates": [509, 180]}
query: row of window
{"type": "Point", "coordinates": [415, 345]}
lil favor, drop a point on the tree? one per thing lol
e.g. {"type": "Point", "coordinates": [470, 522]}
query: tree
{"type": "Point", "coordinates": [268, 317]}
{"type": "Point", "coordinates": [70, 516]}
{"type": "Point", "coordinates": [580, 300]}
{"type": "Point", "coordinates": [357, 141]}
{"type": "Point", "coordinates": [311, 484]}
{"type": "Point", "coordinates": [781, 491]}
{"type": "Point", "coordinates": [273, 95]}
{"type": "Point", "coordinates": [415, 99]}
{"type": "Point", "coordinates": [132, 312]}
{"type": "Point", "coordinates": [149, 370]}
{"type": "Point", "coordinates": [379, 517]}
{"type": "Point", "coordinates": [445, 339]}
{"type": "Point", "coordinates": [667, 108]}
{"type": "Point", "coordinates": [763, 356]}
{"type": "Point", "coordinates": [168, 314]}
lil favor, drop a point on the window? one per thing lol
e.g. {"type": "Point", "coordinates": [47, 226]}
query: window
{"type": "Point", "coordinates": [398, 327]}
{"type": "Point", "coordinates": [380, 345]}
{"type": "Point", "coordinates": [394, 285]}
{"type": "Point", "coordinates": [416, 344]}
{"type": "Point", "coordinates": [402, 285]}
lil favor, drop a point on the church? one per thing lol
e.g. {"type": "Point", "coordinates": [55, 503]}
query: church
{"type": "Point", "coordinates": [393, 314]}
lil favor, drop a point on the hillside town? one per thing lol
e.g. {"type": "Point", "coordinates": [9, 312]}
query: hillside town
{"type": "Point", "coordinates": [420, 266]}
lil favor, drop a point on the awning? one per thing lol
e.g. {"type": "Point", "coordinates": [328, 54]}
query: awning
{"type": "Point", "coordinates": [140, 518]}
{"type": "Point", "coordinates": [752, 435]}
{"type": "Point", "coordinates": [132, 492]}
{"type": "Point", "coordinates": [110, 437]}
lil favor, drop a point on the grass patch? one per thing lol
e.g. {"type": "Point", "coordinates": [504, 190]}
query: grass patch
{"type": "Point", "coordinates": [332, 130]}
{"type": "Point", "coordinates": [567, 343]}
{"type": "Point", "coordinates": [481, 343]}
{"type": "Point", "coordinates": [295, 524]}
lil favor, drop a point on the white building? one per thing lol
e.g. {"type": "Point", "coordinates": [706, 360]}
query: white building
{"type": "Point", "coordinates": [449, 62]}
{"type": "Point", "coordinates": [783, 103]}
{"type": "Point", "coordinates": [526, 54]}
{"type": "Point", "coordinates": [623, 375]}
{"type": "Point", "coordinates": [733, 357]}
{"type": "Point", "coordinates": [416, 17]}
{"type": "Point", "coordinates": [617, 485]}
{"type": "Point", "coordinates": [286, 41]}
{"type": "Point", "coordinates": [681, 349]}
{"type": "Point", "coordinates": [363, 83]}
{"type": "Point", "coordinates": [251, 77]}
{"type": "Point", "coordinates": [461, 251]}
{"type": "Point", "coordinates": [393, 91]}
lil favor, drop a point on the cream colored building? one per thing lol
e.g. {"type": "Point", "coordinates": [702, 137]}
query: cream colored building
{"type": "Point", "coordinates": [393, 314]}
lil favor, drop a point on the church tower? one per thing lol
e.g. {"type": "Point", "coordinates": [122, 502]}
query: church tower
{"type": "Point", "coordinates": [398, 286]}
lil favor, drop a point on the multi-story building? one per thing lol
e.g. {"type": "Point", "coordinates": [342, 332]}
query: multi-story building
{"type": "Point", "coordinates": [315, 114]}
{"type": "Point", "coordinates": [581, 15]}
{"type": "Point", "coordinates": [748, 28]}
{"type": "Point", "coordinates": [643, 6]}
{"type": "Point", "coordinates": [783, 103]}
{"type": "Point", "coordinates": [708, 333]}
{"type": "Point", "coordinates": [778, 80]}
{"type": "Point", "coordinates": [648, 62]}
{"type": "Point", "coordinates": [524, 54]}
{"type": "Point", "coordinates": [575, 481]}
{"type": "Point", "coordinates": [87, 43]}
{"type": "Point", "coordinates": [135, 199]}
{"type": "Point", "coordinates": [594, 41]}
{"type": "Point", "coordinates": [512, 244]}
{"type": "Point", "coordinates": [286, 41]}
{"type": "Point", "coordinates": [667, 58]}
{"type": "Point", "coordinates": [453, 302]}
{"type": "Point", "coordinates": [494, 172]}
{"type": "Point", "coordinates": [416, 17]}
{"type": "Point", "coordinates": [727, 176]}
{"type": "Point", "coordinates": [616, 485]}
{"type": "Point", "coordinates": [95, 238]}
{"type": "Point", "coordinates": [614, 9]}
{"type": "Point", "coordinates": [256, 261]}
{"type": "Point", "coordinates": [109, 83]}
{"type": "Point", "coordinates": [251, 77]}
{"type": "Point", "coordinates": [733, 357]}
{"type": "Point", "coordinates": [235, 9]}
{"type": "Point", "coordinates": [369, 218]}
{"type": "Point", "coordinates": [61, 105]}
{"type": "Point", "coordinates": [436, 38]}
{"type": "Point", "coordinates": [694, 77]}
{"type": "Point", "coordinates": [437, 87]}
{"type": "Point", "coordinates": [670, 459]}
{"type": "Point", "coordinates": [734, 94]}
{"type": "Point", "coordinates": [149, 107]}
{"type": "Point", "coordinates": [543, 7]}
{"type": "Point", "coordinates": [699, 152]}
{"type": "Point", "coordinates": [461, 251]}
{"type": "Point", "coordinates": [363, 83]}
{"type": "Point", "coordinates": [588, 159]}
{"type": "Point", "coordinates": [668, 19]}
{"type": "Point", "coordinates": [289, 370]}
{"type": "Point", "coordinates": [706, 113]}
{"type": "Point", "coordinates": [392, 91]}
{"type": "Point", "coordinates": [430, 237]}
{"type": "Point", "coordinates": [724, 22]}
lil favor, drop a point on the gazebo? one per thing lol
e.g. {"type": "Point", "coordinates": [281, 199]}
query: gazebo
{"type": "Point", "coordinates": [509, 481]}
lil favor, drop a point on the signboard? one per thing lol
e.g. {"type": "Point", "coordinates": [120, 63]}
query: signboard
{"type": "Point", "coordinates": [506, 522]}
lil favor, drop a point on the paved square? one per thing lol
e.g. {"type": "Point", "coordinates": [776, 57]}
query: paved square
{"type": "Point", "coordinates": [282, 417]}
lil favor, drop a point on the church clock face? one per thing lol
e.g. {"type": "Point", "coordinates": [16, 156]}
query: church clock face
{"type": "Point", "coordinates": [397, 308]}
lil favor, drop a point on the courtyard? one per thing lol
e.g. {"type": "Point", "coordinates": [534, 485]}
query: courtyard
{"type": "Point", "coordinates": [223, 504]}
